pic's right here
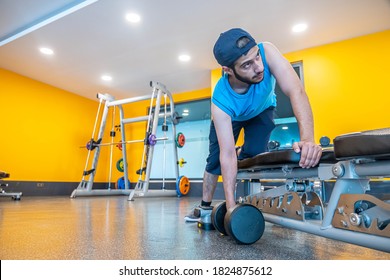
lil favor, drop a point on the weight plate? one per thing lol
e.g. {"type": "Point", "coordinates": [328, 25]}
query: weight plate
{"type": "Point", "coordinates": [180, 140]}
{"type": "Point", "coordinates": [245, 223]}
{"type": "Point", "coordinates": [120, 165]}
{"type": "Point", "coordinates": [181, 162]}
{"type": "Point", "coordinates": [324, 141]}
{"type": "Point", "coordinates": [182, 185]}
{"type": "Point", "coordinates": [89, 145]}
{"type": "Point", "coordinates": [218, 216]}
{"type": "Point", "coordinates": [121, 183]}
{"type": "Point", "coordinates": [152, 139]}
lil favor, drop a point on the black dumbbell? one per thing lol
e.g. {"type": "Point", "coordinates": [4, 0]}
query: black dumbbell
{"type": "Point", "coordinates": [244, 223]}
{"type": "Point", "coordinates": [218, 216]}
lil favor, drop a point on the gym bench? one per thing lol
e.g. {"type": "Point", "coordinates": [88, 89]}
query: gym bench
{"type": "Point", "coordinates": [347, 211]}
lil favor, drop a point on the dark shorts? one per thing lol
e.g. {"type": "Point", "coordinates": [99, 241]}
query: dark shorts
{"type": "Point", "coordinates": [257, 132]}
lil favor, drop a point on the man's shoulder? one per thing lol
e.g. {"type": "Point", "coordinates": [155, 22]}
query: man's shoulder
{"type": "Point", "coordinates": [221, 83]}
{"type": "Point", "coordinates": [267, 44]}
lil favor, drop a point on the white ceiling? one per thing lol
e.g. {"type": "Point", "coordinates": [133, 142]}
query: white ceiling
{"type": "Point", "coordinates": [95, 39]}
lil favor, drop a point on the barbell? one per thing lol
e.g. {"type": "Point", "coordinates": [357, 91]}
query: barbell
{"type": "Point", "coordinates": [150, 140]}
{"type": "Point", "coordinates": [120, 164]}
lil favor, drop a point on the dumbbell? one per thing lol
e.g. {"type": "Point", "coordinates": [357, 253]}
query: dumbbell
{"type": "Point", "coordinates": [244, 222]}
{"type": "Point", "coordinates": [218, 216]}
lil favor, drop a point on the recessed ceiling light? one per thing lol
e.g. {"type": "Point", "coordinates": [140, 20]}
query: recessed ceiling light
{"type": "Point", "coordinates": [46, 51]}
{"type": "Point", "coordinates": [133, 17]}
{"type": "Point", "coordinates": [106, 78]}
{"type": "Point", "coordinates": [299, 27]}
{"type": "Point", "coordinates": [186, 111]}
{"type": "Point", "coordinates": [184, 57]}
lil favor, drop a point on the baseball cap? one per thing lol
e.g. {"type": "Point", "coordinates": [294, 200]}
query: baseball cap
{"type": "Point", "coordinates": [226, 49]}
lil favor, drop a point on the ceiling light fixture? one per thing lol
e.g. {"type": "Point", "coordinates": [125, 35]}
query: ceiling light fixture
{"type": "Point", "coordinates": [133, 17]}
{"type": "Point", "coordinates": [299, 27]}
{"type": "Point", "coordinates": [184, 57]}
{"type": "Point", "coordinates": [46, 51]}
{"type": "Point", "coordinates": [106, 78]}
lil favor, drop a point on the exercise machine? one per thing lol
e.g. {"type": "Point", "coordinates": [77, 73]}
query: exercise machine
{"type": "Point", "coordinates": [3, 193]}
{"type": "Point", "coordinates": [142, 187]}
{"type": "Point", "coordinates": [338, 199]}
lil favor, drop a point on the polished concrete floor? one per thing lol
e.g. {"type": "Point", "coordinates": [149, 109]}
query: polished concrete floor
{"type": "Point", "coordinates": [112, 228]}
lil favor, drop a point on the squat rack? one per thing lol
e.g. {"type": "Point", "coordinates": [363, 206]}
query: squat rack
{"type": "Point", "coordinates": [142, 187]}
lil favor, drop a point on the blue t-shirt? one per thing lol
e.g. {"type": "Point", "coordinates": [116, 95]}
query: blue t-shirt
{"type": "Point", "coordinates": [242, 107]}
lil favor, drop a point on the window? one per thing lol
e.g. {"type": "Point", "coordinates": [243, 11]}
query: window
{"type": "Point", "coordinates": [286, 131]}
{"type": "Point", "coordinates": [195, 125]}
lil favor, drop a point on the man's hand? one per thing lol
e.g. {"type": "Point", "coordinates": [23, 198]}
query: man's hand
{"type": "Point", "coordinates": [310, 153]}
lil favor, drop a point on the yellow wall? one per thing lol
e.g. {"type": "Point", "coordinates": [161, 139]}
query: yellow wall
{"type": "Point", "coordinates": [348, 84]}
{"type": "Point", "coordinates": [42, 128]}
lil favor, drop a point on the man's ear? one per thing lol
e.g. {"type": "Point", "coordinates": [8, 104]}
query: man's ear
{"type": "Point", "coordinates": [227, 70]}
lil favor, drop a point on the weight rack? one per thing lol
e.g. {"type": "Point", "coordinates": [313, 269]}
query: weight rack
{"type": "Point", "coordinates": [142, 187]}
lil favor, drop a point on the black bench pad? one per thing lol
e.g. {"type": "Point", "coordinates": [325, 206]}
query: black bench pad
{"type": "Point", "coordinates": [281, 157]}
{"type": "Point", "coordinates": [370, 143]}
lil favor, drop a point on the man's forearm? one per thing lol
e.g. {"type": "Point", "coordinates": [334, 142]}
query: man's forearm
{"type": "Point", "coordinates": [229, 175]}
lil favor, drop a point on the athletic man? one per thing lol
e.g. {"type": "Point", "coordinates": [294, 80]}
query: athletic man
{"type": "Point", "coordinates": [244, 98]}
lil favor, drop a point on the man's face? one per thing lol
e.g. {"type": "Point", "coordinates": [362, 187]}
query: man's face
{"type": "Point", "coordinates": [249, 68]}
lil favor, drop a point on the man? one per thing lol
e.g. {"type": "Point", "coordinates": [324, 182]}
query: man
{"type": "Point", "coordinates": [244, 98]}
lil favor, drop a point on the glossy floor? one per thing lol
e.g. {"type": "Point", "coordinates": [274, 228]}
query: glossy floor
{"type": "Point", "coordinates": [112, 228]}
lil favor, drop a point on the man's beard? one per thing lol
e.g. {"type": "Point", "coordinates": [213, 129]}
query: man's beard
{"type": "Point", "coordinates": [243, 79]}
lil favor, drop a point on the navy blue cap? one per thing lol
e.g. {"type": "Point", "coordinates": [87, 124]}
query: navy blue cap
{"type": "Point", "coordinates": [226, 49]}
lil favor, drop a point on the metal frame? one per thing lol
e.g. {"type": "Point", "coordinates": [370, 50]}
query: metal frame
{"type": "Point", "coordinates": [335, 220]}
{"type": "Point", "coordinates": [3, 193]}
{"type": "Point", "coordinates": [142, 187]}
{"type": "Point", "coordinates": [13, 195]}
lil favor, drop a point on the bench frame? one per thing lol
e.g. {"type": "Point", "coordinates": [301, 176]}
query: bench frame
{"type": "Point", "coordinates": [298, 202]}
